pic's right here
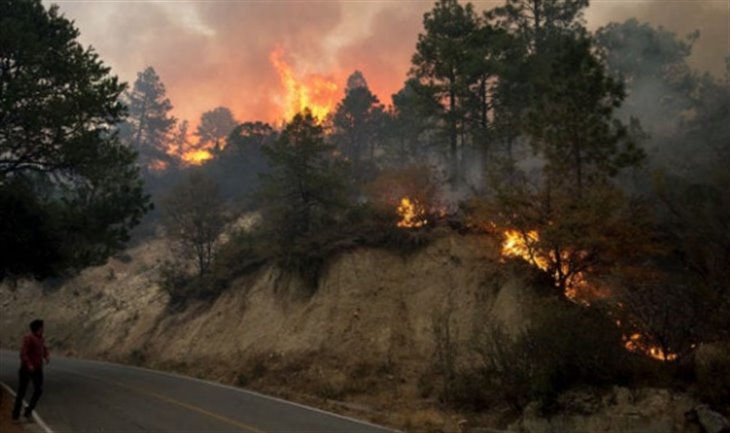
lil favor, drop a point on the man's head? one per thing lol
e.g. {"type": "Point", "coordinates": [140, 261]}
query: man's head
{"type": "Point", "coordinates": [36, 327]}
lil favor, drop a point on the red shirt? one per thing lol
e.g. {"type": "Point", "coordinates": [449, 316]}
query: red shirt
{"type": "Point", "coordinates": [33, 352]}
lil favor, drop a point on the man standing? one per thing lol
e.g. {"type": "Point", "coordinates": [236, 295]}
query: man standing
{"type": "Point", "coordinates": [32, 355]}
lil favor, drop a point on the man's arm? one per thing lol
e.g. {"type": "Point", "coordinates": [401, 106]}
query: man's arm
{"type": "Point", "coordinates": [24, 356]}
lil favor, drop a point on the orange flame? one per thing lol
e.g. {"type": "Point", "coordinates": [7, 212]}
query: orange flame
{"type": "Point", "coordinates": [196, 156]}
{"type": "Point", "coordinates": [157, 165]}
{"type": "Point", "coordinates": [634, 343]}
{"type": "Point", "coordinates": [523, 245]}
{"type": "Point", "coordinates": [315, 92]}
{"type": "Point", "coordinates": [412, 214]}
{"type": "Point", "coordinates": [518, 244]}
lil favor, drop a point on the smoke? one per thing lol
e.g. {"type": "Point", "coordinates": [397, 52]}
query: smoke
{"type": "Point", "coordinates": [711, 18]}
{"type": "Point", "coordinates": [210, 54]}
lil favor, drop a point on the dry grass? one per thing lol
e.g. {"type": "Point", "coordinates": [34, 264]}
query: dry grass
{"type": "Point", "coordinates": [374, 391]}
{"type": "Point", "coordinates": [6, 405]}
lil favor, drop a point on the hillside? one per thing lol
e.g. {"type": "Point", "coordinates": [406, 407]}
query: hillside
{"type": "Point", "coordinates": [362, 344]}
{"type": "Point", "coordinates": [371, 318]}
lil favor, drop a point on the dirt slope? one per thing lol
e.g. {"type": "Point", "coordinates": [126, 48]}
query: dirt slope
{"type": "Point", "coordinates": [371, 304]}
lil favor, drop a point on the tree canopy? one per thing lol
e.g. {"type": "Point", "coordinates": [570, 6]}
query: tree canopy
{"type": "Point", "coordinates": [148, 127]}
{"type": "Point", "coordinates": [70, 192]}
{"type": "Point", "coordinates": [214, 127]}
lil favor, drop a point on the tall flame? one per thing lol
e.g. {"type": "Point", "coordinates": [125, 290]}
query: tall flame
{"type": "Point", "coordinates": [314, 92]}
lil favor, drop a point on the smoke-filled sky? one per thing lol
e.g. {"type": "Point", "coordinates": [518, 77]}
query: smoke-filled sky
{"type": "Point", "coordinates": [217, 52]}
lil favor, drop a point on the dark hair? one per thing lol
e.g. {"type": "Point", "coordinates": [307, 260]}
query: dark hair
{"type": "Point", "coordinates": [36, 325]}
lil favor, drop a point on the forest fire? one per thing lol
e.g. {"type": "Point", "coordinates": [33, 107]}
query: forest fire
{"type": "Point", "coordinates": [522, 244]}
{"type": "Point", "coordinates": [412, 214]}
{"type": "Point", "coordinates": [518, 244]}
{"type": "Point", "coordinates": [196, 156]}
{"type": "Point", "coordinates": [634, 343]}
{"type": "Point", "coordinates": [315, 92]}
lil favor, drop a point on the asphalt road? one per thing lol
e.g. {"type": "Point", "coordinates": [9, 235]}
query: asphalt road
{"type": "Point", "coordinates": [88, 396]}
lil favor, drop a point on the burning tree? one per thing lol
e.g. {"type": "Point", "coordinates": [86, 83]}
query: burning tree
{"type": "Point", "coordinates": [569, 216]}
{"type": "Point", "coordinates": [571, 239]}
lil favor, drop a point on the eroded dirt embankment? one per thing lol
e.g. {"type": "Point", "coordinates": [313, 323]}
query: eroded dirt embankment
{"type": "Point", "coordinates": [365, 337]}
{"type": "Point", "coordinates": [362, 344]}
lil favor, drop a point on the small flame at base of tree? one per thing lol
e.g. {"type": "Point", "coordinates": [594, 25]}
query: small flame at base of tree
{"type": "Point", "coordinates": [635, 343]}
{"type": "Point", "coordinates": [412, 214]}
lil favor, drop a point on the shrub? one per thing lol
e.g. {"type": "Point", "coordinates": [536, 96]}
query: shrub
{"type": "Point", "coordinates": [565, 345]}
{"type": "Point", "coordinates": [713, 375]}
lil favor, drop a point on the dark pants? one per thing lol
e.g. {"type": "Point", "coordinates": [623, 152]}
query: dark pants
{"type": "Point", "coordinates": [25, 376]}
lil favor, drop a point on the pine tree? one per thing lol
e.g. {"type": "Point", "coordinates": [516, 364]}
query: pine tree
{"type": "Point", "coordinates": [441, 65]}
{"type": "Point", "coordinates": [149, 123]}
{"type": "Point", "coordinates": [69, 191]}
{"type": "Point", "coordinates": [214, 127]}
{"type": "Point", "coordinates": [358, 119]}
{"type": "Point", "coordinates": [306, 185]}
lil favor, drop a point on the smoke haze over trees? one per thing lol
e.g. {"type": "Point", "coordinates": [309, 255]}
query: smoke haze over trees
{"type": "Point", "coordinates": [193, 45]}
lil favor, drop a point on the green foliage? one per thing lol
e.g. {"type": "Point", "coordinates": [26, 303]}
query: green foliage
{"type": "Point", "coordinates": [65, 180]}
{"type": "Point", "coordinates": [174, 280]}
{"type": "Point", "coordinates": [305, 189]}
{"type": "Point", "coordinates": [408, 123]}
{"type": "Point", "coordinates": [357, 122]}
{"type": "Point", "coordinates": [573, 124]}
{"type": "Point", "coordinates": [535, 23]}
{"type": "Point", "coordinates": [303, 195]}
{"type": "Point", "coordinates": [240, 255]}
{"type": "Point", "coordinates": [441, 67]}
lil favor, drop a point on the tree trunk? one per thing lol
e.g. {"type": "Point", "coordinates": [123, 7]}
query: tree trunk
{"type": "Point", "coordinates": [453, 134]}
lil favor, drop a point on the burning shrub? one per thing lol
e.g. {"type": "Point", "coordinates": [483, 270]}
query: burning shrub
{"type": "Point", "coordinates": [408, 193]}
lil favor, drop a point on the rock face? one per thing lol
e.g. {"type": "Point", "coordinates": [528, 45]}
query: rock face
{"type": "Point", "coordinates": [621, 411]}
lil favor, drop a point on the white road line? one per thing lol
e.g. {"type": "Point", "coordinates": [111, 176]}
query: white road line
{"type": "Point", "coordinates": [36, 417]}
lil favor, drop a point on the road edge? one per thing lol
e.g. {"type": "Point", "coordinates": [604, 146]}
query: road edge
{"type": "Point", "coordinates": [39, 421]}
{"type": "Point", "coordinates": [245, 391]}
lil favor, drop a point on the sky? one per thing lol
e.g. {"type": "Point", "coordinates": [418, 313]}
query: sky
{"type": "Point", "coordinates": [213, 53]}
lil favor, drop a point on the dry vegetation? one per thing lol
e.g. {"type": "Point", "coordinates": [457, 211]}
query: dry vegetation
{"type": "Point", "coordinates": [7, 425]}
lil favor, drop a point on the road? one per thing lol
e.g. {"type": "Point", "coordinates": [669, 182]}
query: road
{"type": "Point", "coordinates": [88, 396]}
